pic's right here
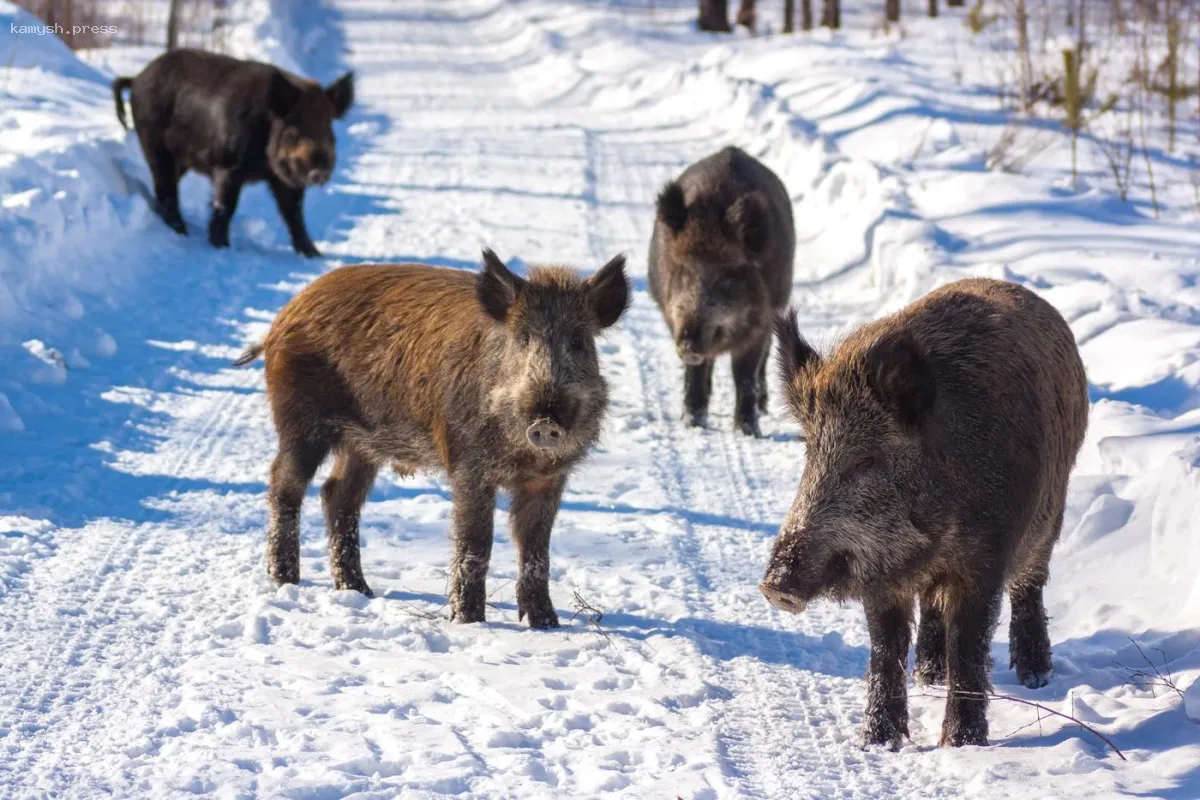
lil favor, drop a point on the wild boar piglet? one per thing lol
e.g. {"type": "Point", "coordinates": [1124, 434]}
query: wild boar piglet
{"type": "Point", "coordinates": [491, 378]}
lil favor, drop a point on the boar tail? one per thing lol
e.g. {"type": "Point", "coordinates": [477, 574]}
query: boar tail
{"type": "Point", "coordinates": [251, 354]}
{"type": "Point", "coordinates": [120, 85]}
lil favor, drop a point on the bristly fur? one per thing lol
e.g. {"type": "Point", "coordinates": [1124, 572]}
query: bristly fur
{"type": "Point", "coordinates": [720, 268]}
{"type": "Point", "coordinates": [237, 122]}
{"type": "Point", "coordinates": [940, 441]}
{"type": "Point", "coordinates": [421, 368]}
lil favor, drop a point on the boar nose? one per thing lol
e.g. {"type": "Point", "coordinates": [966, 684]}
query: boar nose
{"type": "Point", "coordinates": [689, 356]}
{"type": "Point", "coordinates": [545, 433]}
{"type": "Point", "coordinates": [318, 176]}
{"type": "Point", "coordinates": [779, 596]}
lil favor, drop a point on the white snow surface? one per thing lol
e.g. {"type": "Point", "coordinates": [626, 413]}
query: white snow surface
{"type": "Point", "coordinates": [147, 655]}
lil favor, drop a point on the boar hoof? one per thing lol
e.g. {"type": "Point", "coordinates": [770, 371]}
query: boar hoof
{"type": "Point", "coordinates": [467, 614]}
{"type": "Point", "coordinates": [359, 586]}
{"type": "Point", "coordinates": [1034, 679]}
{"type": "Point", "coordinates": [696, 419]}
{"type": "Point", "coordinates": [882, 736]}
{"type": "Point", "coordinates": [963, 735]}
{"type": "Point", "coordinates": [281, 575]}
{"type": "Point", "coordinates": [540, 617]}
{"type": "Point", "coordinates": [307, 249]}
{"type": "Point", "coordinates": [749, 427]}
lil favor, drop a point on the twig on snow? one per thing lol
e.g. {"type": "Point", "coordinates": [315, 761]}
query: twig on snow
{"type": "Point", "coordinates": [1154, 678]}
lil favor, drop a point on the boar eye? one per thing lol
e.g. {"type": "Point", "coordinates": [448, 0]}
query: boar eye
{"type": "Point", "coordinates": [577, 343]}
{"type": "Point", "coordinates": [861, 465]}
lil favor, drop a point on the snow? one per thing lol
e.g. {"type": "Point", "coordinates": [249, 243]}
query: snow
{"type": "Point", "coordinates": [154, 658]}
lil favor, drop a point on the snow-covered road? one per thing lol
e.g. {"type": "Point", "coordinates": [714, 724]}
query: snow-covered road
{"type": "Point", "coordinates": [147, 655]}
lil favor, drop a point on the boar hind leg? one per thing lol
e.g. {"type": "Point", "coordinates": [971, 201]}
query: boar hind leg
{"type": "Point", "coordinates": [291, 472]}
{"type": "Point", "coordinates": [889, 623]}
{"type": "Point", "coordinates": [343, 496]}
{"type": "Point", "coordinates": [697, 388]}
{"type": "Point", "coordinates": [532, 514]}
{"type": "Point", "coordinates": [970, 620]}
{"type": "Point", "coordinates": [166, 173]}
{"type": "Point", "coordinates": [227, 188]}
{"type": "Point", "coordinates": [1028, 633]}
{"type": "Point", "coordinates": [291, 208]}
{"type": "Point", "coordinates": [474, 507]}
{"type": "Point", "coordinates": [931, 642]}
{"type": "Point", "coordinates": [747, 382]}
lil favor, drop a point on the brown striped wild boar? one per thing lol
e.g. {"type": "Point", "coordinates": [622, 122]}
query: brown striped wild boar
{"type": "Point", "coordinates": [490, 377]}
{"type": "Point", "coordinates": [940, 441]}
{"type": "Point", "coordinates": [720, 269]}
{"type": "Point", "coordinates": [237, 122]}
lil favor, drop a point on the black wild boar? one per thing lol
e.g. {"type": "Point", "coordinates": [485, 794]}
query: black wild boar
{"type": "Point", "coordinates": [940, 442]}
{"type": "Point", "coordinates": [721, 269]}
{"type": "Point", "coordinates": [491, 377]}
{"type": "Point", "coordinates": [237, 122]}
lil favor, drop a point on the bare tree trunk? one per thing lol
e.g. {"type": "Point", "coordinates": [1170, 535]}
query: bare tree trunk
{"type": "Point", "coordinates": [1021, 18]}
{"type": "Point", "coordinates": [831, 13]}
{"type": "Point", "coordinates": [892, 10]}
{"type": "Point", "coordinates": [955, 3]}
{"type": "Point", "coordinates": [933, 8]}
{"type": "Point", "coordinates": [789, 16]}
{"type": "Point", "coordinates": [714, 16]}
{"type": "Point", "coordinates": [806, 18]}
{"type": "Point", "coordinates": [746, 16]}
{"type": "Point", "coordinates": [173, 24]}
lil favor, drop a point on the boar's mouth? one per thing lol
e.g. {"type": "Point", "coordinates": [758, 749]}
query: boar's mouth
{"type": "Point", "coordinates": [792, 588]}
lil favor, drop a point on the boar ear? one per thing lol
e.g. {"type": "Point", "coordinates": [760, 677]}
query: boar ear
{"type": "Point", "coordinates": [341, 94]}
{"type": "Point", "coordinates": [496, 287]}
{"type": "Point", "coordinates": [794, 352]}
{"type": "Point", "coordinates": [901, 378]}
{"type": "Point", "coordinates": [608, 292]}
{"type": "Point", "coordinates": [672, 210]}
{"type": "Point", "coordinates": [748, 218]}
{"type": "Point", "coordinates": [282, 94]}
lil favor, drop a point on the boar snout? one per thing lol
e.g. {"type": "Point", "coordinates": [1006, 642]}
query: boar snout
{"type": "Point", "coordinates": [545, 433]}
{"type": "Point", "coordinates": [799, 572]}
{"type": "Point", "coordinates": [318, 177]}
{"type": "Point", "coordinates": [694, 343]}
{"type": "Point", "coordinates": [780, 597]}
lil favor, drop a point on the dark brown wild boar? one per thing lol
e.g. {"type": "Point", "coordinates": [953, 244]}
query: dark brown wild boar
{"type": "Point", "coordinates": [490, 377]}
{"type": "Point", "coordinates": [237, 122]}
{"type": "Point", "coordinates": [721, 269]}
{"type": "Point", "coordinates": [940, 441]}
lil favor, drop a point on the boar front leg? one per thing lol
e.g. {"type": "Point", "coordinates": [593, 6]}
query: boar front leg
{"type": "Point", "coordinates": [474, 507]}
{"type": "Point", "coordinates": [889, 623]}
{"type": "Point", "coordinates": [747, 369]}
{"type": "Point", "coordinates": [970, 622]}
{"type": "Point", "coordinates": [697, 388]}
{"type": "Point", "coordinates": [534, 507]}
{"type": "Point", "coordinates": [227, 188]}
{"type": "Point", "coordinates": [291, 208]}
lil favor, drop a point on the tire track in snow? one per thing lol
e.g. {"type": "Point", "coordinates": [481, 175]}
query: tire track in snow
{"type": "Point", "coordinates": [785, 731]}
{"type": "Point", "coordinates": [54, 711]}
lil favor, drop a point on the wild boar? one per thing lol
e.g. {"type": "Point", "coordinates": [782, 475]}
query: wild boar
{"type": "Point", "coordinates": [490, 377]}
{"type": "Point", "coordinates": [720, 269]}
{"type": "Point", "coordinates": [237, 122]}
{"type": "Point", "coordinates": [940, 441]}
